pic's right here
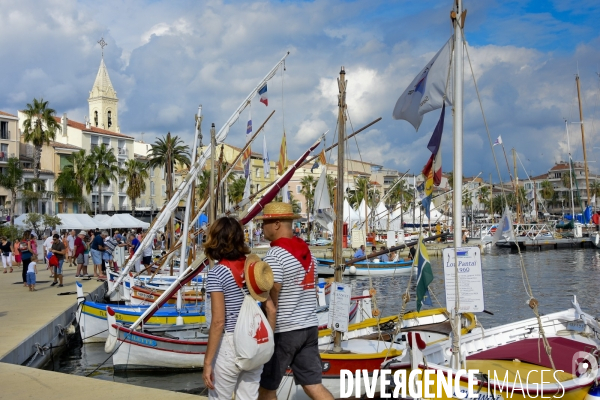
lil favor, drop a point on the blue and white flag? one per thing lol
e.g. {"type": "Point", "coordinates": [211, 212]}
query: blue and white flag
{"type": "Point", "coordinates": [427, 91]}
{"type": "Point", "coordinates": [266, 165]}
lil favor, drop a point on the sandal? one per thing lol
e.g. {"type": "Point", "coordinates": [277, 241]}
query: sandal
{"type": "Point", "coordinates": [5, 270]}
{"type": "Point", "coordinates": [10, 269]}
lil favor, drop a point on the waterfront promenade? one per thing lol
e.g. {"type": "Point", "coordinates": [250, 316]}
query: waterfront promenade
{"type": "Point", "coordinates": [22, 314]}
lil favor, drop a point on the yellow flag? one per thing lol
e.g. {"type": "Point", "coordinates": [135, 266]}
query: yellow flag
{"type": "Point", "coordinates": [283, 161]}
{"type": "Point", "coordinates": [322, 158]}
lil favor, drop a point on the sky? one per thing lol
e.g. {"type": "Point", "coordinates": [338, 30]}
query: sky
{"type": "Point", "coordinates": [167, 57]}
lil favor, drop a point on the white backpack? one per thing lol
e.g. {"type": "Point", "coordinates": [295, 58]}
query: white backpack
{"type": "Point", "coordinates": [252, 337]}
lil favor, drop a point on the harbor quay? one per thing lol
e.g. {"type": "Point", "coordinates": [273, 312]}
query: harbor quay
{"type": "Point", "coordinates": [34, 327]}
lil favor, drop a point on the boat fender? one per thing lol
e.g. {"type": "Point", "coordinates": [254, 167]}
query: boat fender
{"type": "Point", "coordinates": [419, 341]}
{"type": "Point", "coordinates": [352, 270]}
{"type": "Point", "coordinates": [111, 341]}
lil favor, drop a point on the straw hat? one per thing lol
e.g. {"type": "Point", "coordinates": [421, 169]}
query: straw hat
{"type": "Point", "coordinates": [277, 210]}
{"type": "Point", "coordinates": [83, 233]}
{"type": "Point", "coordinates": [258, 276]}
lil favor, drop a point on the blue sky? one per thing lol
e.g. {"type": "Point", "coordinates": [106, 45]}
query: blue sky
{"type": "Point", "coordinates": [165, 58]}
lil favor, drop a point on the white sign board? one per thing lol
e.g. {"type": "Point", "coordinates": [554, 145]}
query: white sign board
{"type": "Point", "coordinates": [470, 279]}
{"type": "Point", "coordinates": [358, 238]}
{"type": "Point", "coordinates": [339, 306]}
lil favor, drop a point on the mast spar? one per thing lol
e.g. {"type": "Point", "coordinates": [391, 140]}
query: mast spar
{"type": "Point", "coordinates": [587, 182]}
{"type": "Point", "coordinates": [339, 198]}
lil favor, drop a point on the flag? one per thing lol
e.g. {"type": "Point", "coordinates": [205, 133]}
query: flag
{"type": "Point", "coordinates": [247, 189]}
{"type": "Point", "coordinates": [434, 145]}
{"type": "Point", "coordinates": [282, 165]}
{"type": "Point", "coordinates": [315, 166]}
{"type": "Point", "coordinates": [266, 166]}
{"type": "Point", "coordinates": [263, 95]}
{"type": "Point", "coordinates": [322, 158]}
{"type": "Point", "coordinates": [248, 152]}
{"type": "Point", "coordinates": [530, 195]}
{"type": "Point", "coordinates": [593, 201]}
{"type": "Point", "coordinates": [426, 188]}
{"type": "Point", "coordinates": [424, 275]}
{"type": "Point", "coordinates": [505, 228]}
{"type": "Point", "coordinates": [426, 92]}
{"type": "Point", "coordinates": [498, 141]}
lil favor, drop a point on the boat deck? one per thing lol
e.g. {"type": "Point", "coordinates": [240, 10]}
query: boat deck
{"type": "Point", "coordinates": [23, 315]}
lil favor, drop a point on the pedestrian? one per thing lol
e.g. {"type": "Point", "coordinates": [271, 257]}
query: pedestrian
{"type": "Point", "coordinates": [109, 246]}
{"type": "Point", "coordinates": [97, 248]}
{"type": "Point", "coordinates": [147, 256]}
{"type": "Point", "coordinates": [16, 252]}
{"type": "Point", "coordinates": [71, 241]}
{"type": "Point", "coordinates": [226, 288]}
{"type": "Point", "coordinates": [26, 254]}
{"type": "Point", "coordinates": [47, 244]}
{"type": "Point", "coordinates": [135, 245]}
{"type": "Point", "coordinates": [33, 244]}
{"type": "Point", "coordinates": [86, 256]}
{"type": "Point", "coordinates": [59, 250]}
{"type": "Point", "coordinates": [6, 251]}
{"type": "Point", "coordinates": [412, 252]}
{"type": "Point", "coordinates": [294, 296]}
{"type": "Point", "coordinates": [78, 252]}
{"type": "Point", "coordinates": [31, 273]}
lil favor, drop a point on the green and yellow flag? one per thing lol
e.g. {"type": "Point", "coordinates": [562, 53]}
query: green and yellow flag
{"type": "Point", "coordinates": [424, 274]}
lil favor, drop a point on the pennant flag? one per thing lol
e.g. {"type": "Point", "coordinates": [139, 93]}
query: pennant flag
{"type": "Point", "coordinates": [498, 141]}
{"type": "Point", "coordinates": [593, 200]}
{"type": "Point", "coordinates": [266, 166]}
{"type": "Point", "coordinates": [424, 275]}
{"type": "Point", "coordinates": [505, 228]}
{"type": "Point", "coordinates": [248, 152]}
{"type": "Point", "coordinates": [434, 146]}
{"type": "Point", "coordinates": [315, 166]}
{"type": "Point", "coordinates": [263, 95]}
{"type": "Point", "coordinates": [282, 165]}
{"type": "Point", "coordinates": [427, 91]}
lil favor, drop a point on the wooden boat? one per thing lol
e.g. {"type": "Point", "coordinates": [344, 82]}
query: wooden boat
{"type": "Point", "coordinates": [139, 350]}
{"type": "Point", "coordinates": [513, 355]}
{"type": "Point", "coordinates": [92, 318]}
{"type": "Point", "coordinates": [365, 268]}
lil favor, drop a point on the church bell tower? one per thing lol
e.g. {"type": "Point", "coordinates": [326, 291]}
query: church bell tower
{"type": "Point", "coordinates": [103, 101]}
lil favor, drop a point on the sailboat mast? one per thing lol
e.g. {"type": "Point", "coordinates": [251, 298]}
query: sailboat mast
{"type": "Point", "coordinates": [587, 182]}
{"type": "Point", "coordinates": [570, 173]}
{"type": "Point", "coordinates": [458, 170]}
{"type": "Point", "coordinates": [339, 198]}
{"type": "Point", "coordinates": [516, 185]}
{"type": "Point", "coordinates": [211, 184]}
{"type": "Point", "coordinates": [187, 214]}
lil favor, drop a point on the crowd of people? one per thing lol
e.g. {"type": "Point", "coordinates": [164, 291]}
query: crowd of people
{"type": "Point", "coordinates": [73, 249]}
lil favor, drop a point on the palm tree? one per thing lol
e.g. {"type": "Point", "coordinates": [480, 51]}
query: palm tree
{"type": "Point", "coordinates": [135, 174]}
{"type": "Point", "coordinates": [80, 164]}
{"type": "Point", "coordinates": [67, 187]}
{"type": "Point", "coordinates": [102, 168]}
{"type": "Point", "coordinates": [236, 190]}
{"type": "Point", "coordinates": [547, 191]}
{"type": "Point", "coordinates": [451, 179]}
{"type": "Point", "coordinates": [483, 196]}
{"type": "Point", "coordinates": [166, 152]}
{"type": "Point", "coordinates": [567, 178]}
{"type": "Point", "coordinates": [10, 179]}
{"type": "Point", "coordinates": [39, 128]}
{"type": "Point", "coordinates": [360, 187]}
{"type": "Point", "coordinates": [594, 190]}
{"type": "Point", "coordinates": [309, 183]}
{"type": "Point", "coordinates": [400, 195]}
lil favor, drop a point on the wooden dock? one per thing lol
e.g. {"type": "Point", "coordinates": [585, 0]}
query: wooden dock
{"type": "Point", "coordinates": [548, 244]}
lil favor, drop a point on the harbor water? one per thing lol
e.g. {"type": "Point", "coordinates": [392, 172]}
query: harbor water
{"type": "Point", "coordinates": [555, 277]}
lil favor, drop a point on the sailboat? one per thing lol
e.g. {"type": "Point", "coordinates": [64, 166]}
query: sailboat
{"type": "Point", "coordinates": [510, 358]}
{"type": "Point", "coordinates": [366, 346]}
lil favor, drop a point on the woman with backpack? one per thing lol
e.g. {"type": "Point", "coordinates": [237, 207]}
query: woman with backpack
{"type": "Point", "coordinates": [233, 277]}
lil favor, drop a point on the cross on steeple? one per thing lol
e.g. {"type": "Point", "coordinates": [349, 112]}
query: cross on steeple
{"type": "Point", "coordinates": [102, 44]}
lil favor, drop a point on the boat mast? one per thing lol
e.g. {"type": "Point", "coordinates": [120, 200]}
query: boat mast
{"type": "Point", "coordinates": [516, 185]}
{"type": "Point", "coordinates": [458, 169]}
{"type": "Point", "coordinates": [187, 214]}
{"type": "Point", "coordinates": [339, 198]}
{"type": "Point", "coordinates": [587, 182]}
{"type": "Point", "coordinates": [570, 174]}
{"type": "Point", "coordinates": [211, 183]}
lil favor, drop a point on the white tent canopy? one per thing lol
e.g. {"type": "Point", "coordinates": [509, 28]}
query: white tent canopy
{"type": "Point", "coordinates": [350, 215]}
{"type": "Point", "coordinates": [123, 221]}
{"type": "Point", "coordinates": [68, 221]}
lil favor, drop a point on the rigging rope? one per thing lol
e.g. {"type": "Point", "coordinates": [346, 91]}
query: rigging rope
{"type": "Point", "coordinates": [532, 302]}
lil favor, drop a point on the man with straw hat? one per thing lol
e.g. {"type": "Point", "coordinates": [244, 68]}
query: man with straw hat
{"type": "Point", "coordinates": [294, 296]}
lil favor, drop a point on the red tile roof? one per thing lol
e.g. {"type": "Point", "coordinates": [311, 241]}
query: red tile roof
{"type": "Point", "coordinates": [7, 114]}
{"type": "Point", "coordinates": [93, 129]}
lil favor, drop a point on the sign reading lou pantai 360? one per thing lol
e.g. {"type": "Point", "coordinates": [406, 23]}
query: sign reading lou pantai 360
{"type": "Point", "coordinates": [470, 280]}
